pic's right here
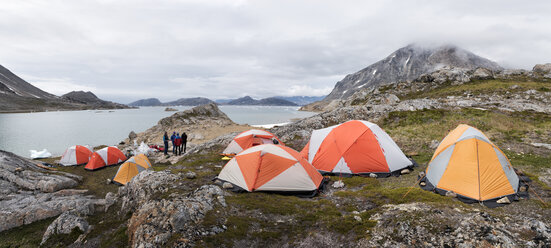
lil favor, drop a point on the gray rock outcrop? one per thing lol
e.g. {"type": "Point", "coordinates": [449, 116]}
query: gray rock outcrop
{"type": "Point", "coordinates": [155, 219]}
{"type": "Point", "coordinates": [199, 123]}
{"type": "Point", "coordinates": [456, 227]}
{"type": "Point", "coordinates": [29, 193]}
{"type": "Point", "coordinates": [543, 70]}
{"type": "Point", "coordinates": [64, 224]}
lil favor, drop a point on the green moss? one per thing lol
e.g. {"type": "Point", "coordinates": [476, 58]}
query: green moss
{"type": "Point", "coordinates": [356, 181]}
{"type": "Point", "coordinates": [25, 236]}
{"type": "Point", "coordinates": [533, 160]}
{"type": "Point", "coordinates": [237, 228]}
{"type": "Point", "coordinates": [94, 181]}
{"type": "Point", "coordinates": [480, 87]}
{"type": "Point", "coordinates": [63, 240]}
{"type": "Point", "coordinates": [118, 238]}
{"type": "Point", "coordinates": [108, 226]}
{"type": "Point", "coordinates": [384, 195]}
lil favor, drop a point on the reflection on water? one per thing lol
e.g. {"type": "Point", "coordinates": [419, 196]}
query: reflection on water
{"type": "Point", "coordinates": [56, 131]}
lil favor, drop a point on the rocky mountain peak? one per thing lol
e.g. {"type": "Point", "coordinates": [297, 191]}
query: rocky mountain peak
{"type": "Point", "coordinates": [82, 96]}
{"type": "Point", "coordinates": [406, 64]}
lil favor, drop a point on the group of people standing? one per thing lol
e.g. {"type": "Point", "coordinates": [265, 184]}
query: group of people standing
{"type": "Point", "coordinates": [178, 143]}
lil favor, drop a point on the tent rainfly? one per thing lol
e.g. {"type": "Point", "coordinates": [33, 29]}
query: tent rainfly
{"type": "Point", "coordinates": [131, 168]}
{"type": "Point", "coordinates": [76, 155]}
{"type": "Point", "coordinates": [355, 147]}
{"type": "Point", "coordinates": [105, 157]}
{"type": "Point", "coordinates": [272, 168]}
{"type": "Point", "coordinates": [251, 138]}
{"type": "Point", "coordinates": [468, 164]}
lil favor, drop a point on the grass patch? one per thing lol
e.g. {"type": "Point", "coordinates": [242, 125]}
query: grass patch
{"type": "Point", "coordinates": [477, 87]}
{"type": "Point", "coordinates": [25, 236]}
{"type": "Point", "coordinates": [118, 238]}
{"type": "Point", "coordinates": [414, 130]}
{"type": "Point", "coordinates": [270, 217]}
{"type": "Point", "coordinates": [63, 240]}
{"type": "Point", "coordinates": [110, 226]}
{"type": "Point", "coordinates": [94, 181]}
{"type": "Point", "coordinates": [382, 195]}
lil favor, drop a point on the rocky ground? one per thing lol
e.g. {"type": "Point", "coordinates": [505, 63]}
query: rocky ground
{"type": "Point", "coordinates": [178, 205]}
{"type": "Point", "coordinates": [512, 90]}
{"type": "Point", "coordinates": [200, 125]}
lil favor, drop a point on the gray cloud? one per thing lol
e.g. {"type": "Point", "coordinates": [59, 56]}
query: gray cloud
{"type": "Point", "coordinates": [127, 50]}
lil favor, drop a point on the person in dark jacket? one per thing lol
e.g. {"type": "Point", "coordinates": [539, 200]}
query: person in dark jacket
{"type": "Point", "coordinates": [172, 140]}
{"type": "Point", "coordinates": [165, 141]}
{"type": "Point", "coordinates": [184, 142]}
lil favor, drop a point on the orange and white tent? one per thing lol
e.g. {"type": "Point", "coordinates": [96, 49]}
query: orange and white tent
{"type": "Point", "coordinates": [250, 138]}
{"type": "Point", "coordinates": [131, 168]}
{"type": "Point", "coordinates": [271, 167]}
{"type": "Point", "coordinates": [355, 147]}
{"type": "Point", "coordinates": [467, 163]}
{"type": "Point", "coordinates": [76, 155]}
{"type": "Point", "coordinates": [104, 157]}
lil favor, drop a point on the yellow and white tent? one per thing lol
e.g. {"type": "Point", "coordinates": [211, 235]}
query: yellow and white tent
{"type": "Point", "coordinates": [467, 163]}
{"type": "Point", "coordinates": [131, 168]}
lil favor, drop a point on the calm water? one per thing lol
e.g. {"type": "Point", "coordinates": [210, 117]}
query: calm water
{"type": "Point", "coordinates": [56, 131]}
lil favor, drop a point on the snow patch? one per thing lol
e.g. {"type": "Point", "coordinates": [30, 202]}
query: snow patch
{"type": "Point", "coordinates": [34, 95]}
{"type": "Point", "coordinates": [40, 154]}
{"type": "Point", "coordinates": [375, 71]}
{"type": "Point", "coordinates": [13, 90]}
{"type": "Point", "coordinates": [271, 125]}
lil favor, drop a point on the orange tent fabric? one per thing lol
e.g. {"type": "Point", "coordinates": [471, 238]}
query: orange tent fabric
{"type": "Point", "coordinates": [105, 157]}
{"type": "Point", "coordinates": [271, 168]}
{"type": "Point", "coordinates": [469, 164]}
{"type": "Point", "coordinates": [131, 168]}
{"type": "Point", "coordinates": [354, 147]}
{"type": "Point", "coordinates": [76, 155]}
{"type": "Point", "coordinates": [251, 138]}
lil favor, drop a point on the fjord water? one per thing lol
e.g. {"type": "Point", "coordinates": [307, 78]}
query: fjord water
{"type": "Point", "coordinates": [56, 131]}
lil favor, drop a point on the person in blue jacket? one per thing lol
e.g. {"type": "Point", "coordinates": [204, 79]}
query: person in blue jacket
{"type": "Point", "coordinates": [165, 140]}
{"type": "Point", "coordinates": [172, 138]}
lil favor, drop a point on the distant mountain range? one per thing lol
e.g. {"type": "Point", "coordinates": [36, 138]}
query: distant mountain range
{"type": "Point", "coordinates": [17, 95]}
{"type": "Point", "coordinates": [270, 101]}
{"type": "Point", "coordinates": [247, 100]}
{"type": "Point", "coordinates": [301, 100]}
{"type": "Point", "coordinates": [194, 101]}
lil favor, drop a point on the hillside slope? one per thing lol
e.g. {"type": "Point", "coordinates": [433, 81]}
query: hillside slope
{"type": "Point", "coordinates": [17, 95]}
{"type": "Point", "coordinates": [404, 65]}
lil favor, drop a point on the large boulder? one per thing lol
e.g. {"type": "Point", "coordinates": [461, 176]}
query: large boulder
{"type": "Point", "coordinates": [542, 69]}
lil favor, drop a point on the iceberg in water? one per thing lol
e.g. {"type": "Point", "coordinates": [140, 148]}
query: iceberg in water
{"type": "Point", "coordinates": [40, 154]}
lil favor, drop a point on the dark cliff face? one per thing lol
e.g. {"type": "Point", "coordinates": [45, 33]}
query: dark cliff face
{"type": "Point", "coordinates": [406, 64]}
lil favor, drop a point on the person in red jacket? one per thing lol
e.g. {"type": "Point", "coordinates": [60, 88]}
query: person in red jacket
{"type": "Point", "coordinates": [177, 143]}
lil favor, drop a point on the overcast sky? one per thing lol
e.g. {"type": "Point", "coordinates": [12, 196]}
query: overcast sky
{"type": "Point", "coordinates": [129, 50]}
